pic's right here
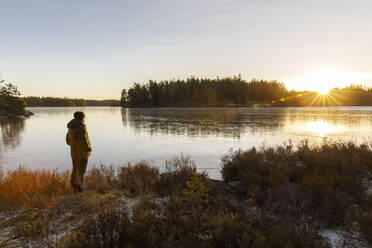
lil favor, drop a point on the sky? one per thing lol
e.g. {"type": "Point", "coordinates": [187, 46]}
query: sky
{"type": "Point", "coordinates": [94, 48]}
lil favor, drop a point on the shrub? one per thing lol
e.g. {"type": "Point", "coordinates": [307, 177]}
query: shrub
{"type": "Point", "coordinates": [190, 222]}
{"type": "Point", "coordinates": [138, 179]}
{"type": "Point", "coordinates": [365, 223]}
{"type": "Point", "coordinates": [195, 187]}
{"type": "Point", "coordinates": [74, 239]}
{"type": "Point", "coordinates": [100, 178]}
{"type": "Point", "coordinates": [177, 171]}
{"type": "Point", "coordinates": [321, 181]}
{"type": "Point", "coordinates": [108, 229]}
{"type": "Point", "coordinates": [286, 234]}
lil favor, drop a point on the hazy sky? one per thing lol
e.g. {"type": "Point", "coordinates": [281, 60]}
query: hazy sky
{"type": "Point", "coordinates": [94, 48]}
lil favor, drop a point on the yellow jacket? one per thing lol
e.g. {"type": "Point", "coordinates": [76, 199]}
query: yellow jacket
{"type": "Point", "coordinates": [77, 138]}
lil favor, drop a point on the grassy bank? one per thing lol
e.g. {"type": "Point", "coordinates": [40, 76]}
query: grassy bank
{"type": "Point", "coordinates": [270, 197]}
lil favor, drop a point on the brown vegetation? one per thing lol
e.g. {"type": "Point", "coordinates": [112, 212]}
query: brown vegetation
{"type": "Point", "coordinates": [32, 188]}
{"type": "Point", "coordinates": [323, 184]}
{"type": "Point", "coordinates": [271, 197]}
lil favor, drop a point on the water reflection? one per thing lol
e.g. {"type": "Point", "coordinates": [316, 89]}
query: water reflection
{"type": "Point", "coordinates": [120, 135]}
{"type": "Point", "coordinates": [11, 133]}
{"type": "Point", "coordinates": [322, 128]}
{"type": "Point", "coordinates": [235, 123]}
{"type": "Point", "coordinates": [203, 122]}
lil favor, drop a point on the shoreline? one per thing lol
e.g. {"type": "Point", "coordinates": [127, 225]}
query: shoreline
{"type": "Point", "coordinates": [273, 107]}
{"type": "Point", "coordinates": [26, 114]}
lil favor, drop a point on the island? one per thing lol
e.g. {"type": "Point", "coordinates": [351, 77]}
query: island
{"type": "Point", "coordinates": [11, 104]}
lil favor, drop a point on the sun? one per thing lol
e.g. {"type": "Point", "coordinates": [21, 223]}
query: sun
{"type": "Point", "coordinates": [323, 91]}
{"type": "Point", "coordinates": [321, 81]}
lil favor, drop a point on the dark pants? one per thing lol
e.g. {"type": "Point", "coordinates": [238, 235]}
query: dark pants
{"type": "Point", "coordinates": [78, 170]}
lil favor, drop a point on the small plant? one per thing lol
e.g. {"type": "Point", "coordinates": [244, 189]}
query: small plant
{"type": "Point", "coordinates": [195, 187]}
{"type": "Point", "coordinates": [177, 171]}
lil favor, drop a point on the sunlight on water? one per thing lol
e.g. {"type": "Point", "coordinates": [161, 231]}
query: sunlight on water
{"type": "Point", "coordinates": [119, 136]}
{"type": "Point", "coordinates": [322, 128]}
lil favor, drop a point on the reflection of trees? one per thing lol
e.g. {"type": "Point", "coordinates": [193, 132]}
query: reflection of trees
{"type": "Point", "coordinates": [11, 132]}
{"type": "Point", "coordinates": [203, 122]}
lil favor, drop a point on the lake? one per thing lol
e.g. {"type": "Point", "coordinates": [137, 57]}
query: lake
{"type": "Point", "coordinates": [119, 136]}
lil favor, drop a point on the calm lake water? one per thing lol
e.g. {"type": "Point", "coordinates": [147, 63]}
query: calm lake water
{"type": "Point", "coordinates": [119, 136]}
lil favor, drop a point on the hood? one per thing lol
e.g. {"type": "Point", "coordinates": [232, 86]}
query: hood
{"type": "Point", "coordinates": [74, 123]}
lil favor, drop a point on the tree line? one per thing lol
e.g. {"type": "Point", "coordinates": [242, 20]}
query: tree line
{"type": "Point", "coordinates": [353, 95]}
{"type": "Point", "coordinates": [236, 92]}
{"type": "Point", "coordinates": [35, 101]}
{"type": "Point", "coordinates": [202, 92]}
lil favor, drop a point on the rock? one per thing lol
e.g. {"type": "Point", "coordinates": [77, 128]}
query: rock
{"type": "Point", "coordinates": [253, 211]}
{"type": "Point", "coordinates": [300, 164]}
{"type": "Point", "coordinates": [28, 113]}
{"type": "Point", "coordinates": [369, 191]}
{"type": "Point", "coordinates": [235, 186]}
{"type": "Point", "coordinates": [342, 238]}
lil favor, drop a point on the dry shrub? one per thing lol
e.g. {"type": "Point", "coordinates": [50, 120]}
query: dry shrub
{"type": "Point", "coordinates": [90, 202]}
{"type": "Point", "coordinates": [186, 220]}
{"type": "Point", "coordinates": [32, 188]}
{"type": "Point", "coordinates": [32, 226]}
{"type": "Point", "coordinates": [177, 171]}
{"type": "Point", "coordinates": [321, 181]}
{"type": "Point", "coordinates": [108, 229]}
{"type": "Point", "coordinates": [27, 223]}
{"type": "Point", "coordinates": [100, 179]}
{"type": "Point", "coordinates": [142, 179]}
{"type": "Point", "coordinates": [73, 239]}
{"type": "Point", "coordinates": [138, 179]}
{"type": "Point", "coordinates": [147, 227]}
{"type": "Point", "coordinates": [190, 222]}
{"type": "Point", "coordinates": [365, 223]}
{"type": "Point", "coordinates": [284, 234]}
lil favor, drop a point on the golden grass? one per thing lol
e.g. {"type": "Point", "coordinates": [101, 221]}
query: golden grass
{"type": "Point", "coordinates": [32, 188]}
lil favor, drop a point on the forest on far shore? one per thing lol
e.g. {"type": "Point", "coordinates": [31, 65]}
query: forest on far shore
{"type": "Point", "coordinates": [236, 92]}
{"type": "Point", "coordinates": [35, 101]}
{"type": "Point", "coordinates": [196, 92]}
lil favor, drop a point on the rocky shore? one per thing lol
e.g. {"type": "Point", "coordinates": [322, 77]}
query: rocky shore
{"type": "Point", "coordinates": [27, 113]}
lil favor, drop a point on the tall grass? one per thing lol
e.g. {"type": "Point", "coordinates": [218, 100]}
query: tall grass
{"type": "Point", "coordinates": [32, 188]}
{"type": "Point", "coordinates": [23, 187]}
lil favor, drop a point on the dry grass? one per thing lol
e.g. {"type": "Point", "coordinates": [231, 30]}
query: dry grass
{"type": "Point", "coordinates": [23, 187]}
{"type": "Point", "coordinates": [32, 188]}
